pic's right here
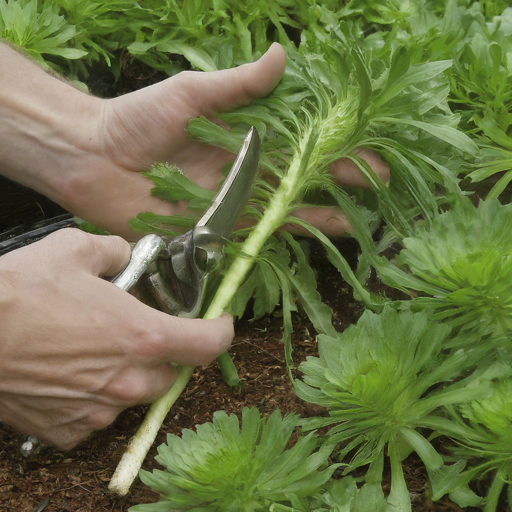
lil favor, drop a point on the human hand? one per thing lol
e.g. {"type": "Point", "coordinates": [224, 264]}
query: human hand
{"type": "Point", "coordinates": [75, 350]}
{"type": "Point", "coordinates": [90, 152]}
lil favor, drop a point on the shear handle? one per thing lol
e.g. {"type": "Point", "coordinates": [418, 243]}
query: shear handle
{"type": "Point", "coordinates": [144, 254]}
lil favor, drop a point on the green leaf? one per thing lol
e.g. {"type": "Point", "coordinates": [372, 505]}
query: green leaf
{"type": "Point", "coordinates": [172, 185]}
{"type": "Point", "coordinates": [446, 133]}
{"type": "Point", "coordinates": [402, 75]}
{"type": "Point", "coordinates": [267, 292]}
{"type": "Point", "coordinates": [304, 284]}
{"type": "Point", "coordinates": [432, 460]}
{"type": "Point", "coordinates": [493, 131]}
{"type": "Point", "coordinates": [196, 56]}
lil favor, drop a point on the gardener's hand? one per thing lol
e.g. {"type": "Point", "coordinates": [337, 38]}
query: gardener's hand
{"type": "Point", "coordinates": [75, 350]}
{"type": "Point", "coordinates": [85, 153]}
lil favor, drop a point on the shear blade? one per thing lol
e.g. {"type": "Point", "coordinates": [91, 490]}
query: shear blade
{"type": "Point", "coordinates": [228, 205]}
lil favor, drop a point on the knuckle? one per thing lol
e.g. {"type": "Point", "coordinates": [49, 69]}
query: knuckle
{"type": "Point", "coordinates": [126, 392]}
{"type": "Point", "coordinates": [63, 445]}
{"type": "Point", "coordinates": [152, 343]}
{"type": "Point", "coordinates": [162, 381]}
{"type": "Point", "coordinates": [71, 235]}
{"type": "Point", "coordinates": [75, 240]}
{"type": "Point", "coordinates": [247, 88]}
{"type": "Point", "coordinates": [184, 76]}
{"type": "Point", "coordinates": [383, 171]}
{"type": "Point", "coordinates": [67, 445]}
{"type": "Point", "coordinates": [379, 166]}
{"type": "Point", "coordinates": [65, 438]}
{"type": "Point", "coordinates": [185, 83]}
{"type": "Point", "coordinates": [101, 418]}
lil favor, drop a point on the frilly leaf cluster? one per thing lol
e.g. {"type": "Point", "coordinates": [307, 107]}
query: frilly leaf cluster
{"type": "Point", "coordinates": [385, 379]}
{"type": "Point", "coordinates": [464, 259]}
{"type": "Point", "coordinates": [226, 467]}
{"type": "Point", "coordinates": [484, 436]}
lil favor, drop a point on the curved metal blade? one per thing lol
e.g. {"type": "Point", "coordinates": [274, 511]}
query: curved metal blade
{"type": "Point", "coordinates": [228, 205]}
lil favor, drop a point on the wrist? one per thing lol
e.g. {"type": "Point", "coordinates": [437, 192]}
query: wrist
{"type": "Point", "coordinates": [44, 125]}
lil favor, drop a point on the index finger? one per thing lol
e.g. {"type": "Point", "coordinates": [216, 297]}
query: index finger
{"type": "Point", "coordinates": [346, 173]}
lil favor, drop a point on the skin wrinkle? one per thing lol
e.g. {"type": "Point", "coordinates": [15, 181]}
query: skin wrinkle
{"type": "Point", "coordinates": [113, 143]}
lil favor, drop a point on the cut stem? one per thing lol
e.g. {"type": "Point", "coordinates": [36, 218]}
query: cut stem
{"type": "Point", "coordinates": [138, 448]}
{"type": "Point", "coordinates": [272, 219]}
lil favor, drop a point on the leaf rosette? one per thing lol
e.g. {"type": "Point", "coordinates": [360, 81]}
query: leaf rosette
{"type": "Point", "coordinates": [225, 468]}
{"type": "Point", "coordinates": [382, 380]}
{"type": "Point", "coordinates": [487, 443]}
{"type": "Point", "coordinates": [464, 259]}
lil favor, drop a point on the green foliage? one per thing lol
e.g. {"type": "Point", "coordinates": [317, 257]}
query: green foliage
{"type": "Point", "coordinates": [477, 36]}
{"type": "Point", "coordinates": [211, 34]}
{"type": "Point", "coordinates": [382, 380]}
{"type": "Point", "coordinates": [90, 228]}
{"type": "Point", "coordinates": [104, 27]}
{"type": "Point", "coordinates": [494, 412]}
{"type": "Point", "coordinates": [378, 12]}
{"type": "Point", "coordinates": [344, 496]}
{"type": "Point", "coordinates": [328, 89]}
{"type": "Point", "coordinates": [427, 85]}
{"type": "Point", "coordinates": [328, 104]}
{"type": "Point", "coordinates": [225, 468]}
{"type": "Point", "coordinates": [464, 259]}
{"type": "Point", "coordinates": [487, 442]}
{"type": "Point", "coordinates": [38, 28]}
{"type": "Point", "coordinates": [340, 496]}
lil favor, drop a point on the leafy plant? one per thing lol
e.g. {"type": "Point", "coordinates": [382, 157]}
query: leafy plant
{"type": "Point", "coordinates": [487, 443]}
{"type": "Point", "coordinates": [382, 381]}
{"type": "Point", "coordinates": [401, 78]}
{"type": "Point", "coordinates": [225, 468]}
{"type": "Point", "coordinates": [104, 27]}
{"type": "Point", "coordinates": [344, 496]}
{"type": "Point", "coordinates": [211, 35]}
{"type": "Point", "coordinates": [477, 36]}
{"type": "Point", "coordinates": [333, 99]}
{"type": "Point", "coordinates": [38, 30]}
{"type": "Point", "coordinates": [464, 260]}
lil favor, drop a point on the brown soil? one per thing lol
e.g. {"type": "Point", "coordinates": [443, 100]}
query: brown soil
{"type": "Point", "coordinates": [77, 481]}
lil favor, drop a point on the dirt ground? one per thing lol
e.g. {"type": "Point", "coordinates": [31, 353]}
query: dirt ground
{"type": "Point", "coordinates": [77, 481]}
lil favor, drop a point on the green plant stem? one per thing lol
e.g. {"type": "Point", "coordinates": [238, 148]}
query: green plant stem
{"type": "Point", "coordinates": [493, 495]}
{"type": "Point", "coordinates": [130, 463]}
{"type": "Point", "coordinates": [228, 370]}
{"type": "Point", "coordinates": [275, 213]}
{"type": "Point", "coordinates": [398, 498]}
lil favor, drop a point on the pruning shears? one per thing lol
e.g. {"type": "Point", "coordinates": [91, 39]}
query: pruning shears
{"type": "Point", "coordinates": [175, 272]}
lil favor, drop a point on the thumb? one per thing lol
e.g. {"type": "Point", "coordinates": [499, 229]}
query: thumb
{"type": "Point", "coordinates": [223, 91]}
{"type": "Point", "coordinates": [100, 255]}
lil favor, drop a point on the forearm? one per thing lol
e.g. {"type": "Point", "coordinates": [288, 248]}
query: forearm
{"type": "Point", "coordinates": [40, 118]}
